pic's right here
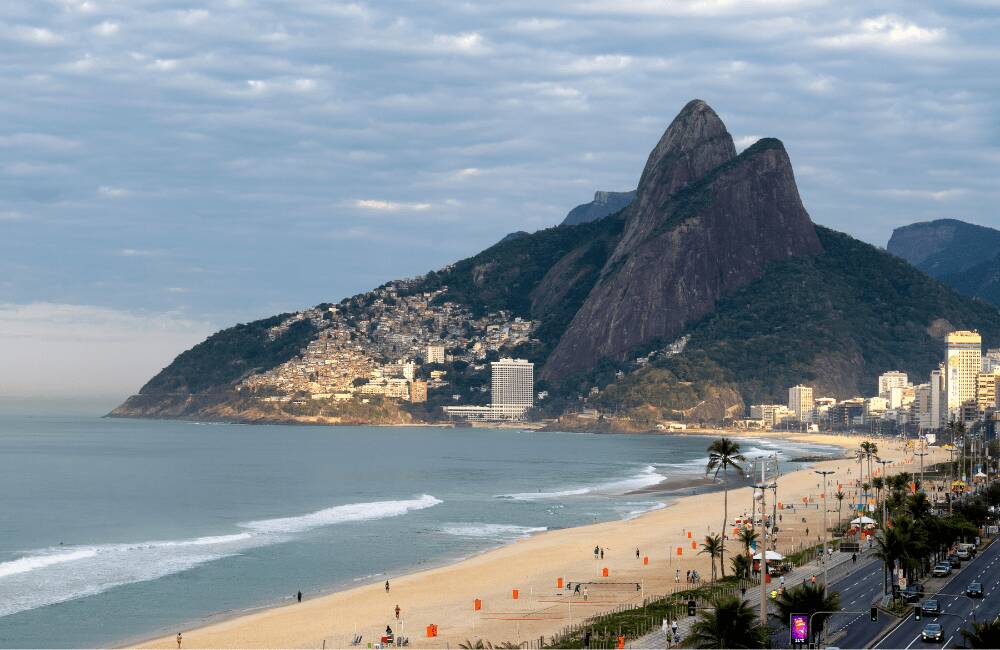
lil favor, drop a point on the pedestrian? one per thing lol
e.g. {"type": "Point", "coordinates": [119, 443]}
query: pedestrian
{"type": "Point", "coordinates": [586, 639]}
{"type": "Point", "coordinates": [397, 612]}
{"type": "Point", "coordinates": [637, 554]}
{"type": "Point", "coordinates": [386, 586]}
{"type": "Point", "coordinates": [782, 580]}
{"type": "Point", "coordinates": [854, 558]}
{"type": "Point", "coordinates": [602, 553]}
{"type": "Point", "coordinates": [677, 575]}
{"type": "Point", "coordinates": [585, 594]}
{"type": "Point", "coordinates": [807, 530]}
{"type": "Point", "coordinates": [178, 639]}
{"type": "Point", "coordinates": [813, 579]}
{"type": "Point", "coordinates": [299, 596]}
{"type": "Point", "coordinates": [597, 551]}
{"type": "Point", "coordinates": [673, 627]}
{"type": "Point", "coordinates": [665, 625]}
{"type": "Point", "coordinates": [688, 577]}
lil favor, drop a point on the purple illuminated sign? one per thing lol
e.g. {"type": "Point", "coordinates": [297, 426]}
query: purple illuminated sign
{"type": "Point", "coordinates": [800, 628]}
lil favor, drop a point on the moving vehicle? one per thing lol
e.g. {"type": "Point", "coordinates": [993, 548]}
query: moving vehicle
{"type": "Point", "coordinates": [974, 590]}
{"type": "Point", "coordinates": [930, 608]}
{"type": "Point", "coordinates": [912, 592]}
{"type": "Point", "coordinates": [932, 632]}
{"type": "Point", "coordinates": [941, 570]}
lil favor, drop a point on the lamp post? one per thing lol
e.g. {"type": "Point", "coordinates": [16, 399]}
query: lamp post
{"type": "Point", "coordinates": [824, 474]}
{"type": "Point", "coordinates": [921, 454]}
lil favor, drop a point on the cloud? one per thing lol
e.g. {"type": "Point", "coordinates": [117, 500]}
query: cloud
{"type": "Point", "coordinates": [467, 43]}
{"type": "Point", "coordinates": [139, 252]}
{"type": "Point", "coordinates": [884, 31]}
{"type": "Point", "coordinates": [933, 195]}
{"type": "Point", "coordinates": [110, 192]}
{"type": "Point", "coordinates": [35, 35]}
{"type": "Point", "coordinates": [106, 28]}
{"type": "Point", "coordinates": [59, 350]}
{"type": "Point", "coordinates": [744, 141]}
{"type": "Point", "coordinates": [390, 206]}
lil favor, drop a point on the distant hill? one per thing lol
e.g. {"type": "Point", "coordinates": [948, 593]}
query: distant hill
{"type": "Point", "coordinates": [962, 255]}
{"type": "Point", "coordinates": [711, 290]}
{"type": "Point", "coordinates": [604, 203]}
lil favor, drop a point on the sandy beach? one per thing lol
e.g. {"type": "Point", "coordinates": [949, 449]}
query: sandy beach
{"type": "Point", "coordinates": [444, 596]}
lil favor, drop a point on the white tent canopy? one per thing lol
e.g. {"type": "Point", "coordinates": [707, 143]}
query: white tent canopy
{"type": "Point", "coordinates": [863, 521]}
{"type": "Point", "coordinates": [771, 555]}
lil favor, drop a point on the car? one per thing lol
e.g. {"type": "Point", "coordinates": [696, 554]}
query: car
{"type": "Point", "coordinates": [932, 632]}
{"type": "Point", "coordinates": [941, 570]}
{"type": "Point", "coordinates": [955, 561]}
{"type": "Point", "coordinates": [963, 554]}
{"type": "Point", "coordinates": [912, 592]}
{"type": "Point", "coordinates": [930, 608]}
{"type": "Point", "coordinates": [974, 590]}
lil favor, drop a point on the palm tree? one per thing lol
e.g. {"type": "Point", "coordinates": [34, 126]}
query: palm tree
{"type": "Point", "coordinates": [712, 546]}
{"type": "Point", "coordinates": [731, 623]}
{"type": "Point", "coordinates": [877, 484]}
{"type": "Point", "coordinates": [748, 537]}
{"type": "Point", "coordinates": [808, 599]}
{"type": "Point", "coordinates": [839, 496]}
{"type": "Point", "coordinates": [891, 547]}
{"type": "Point", "coordinates": [724, 453]}
{"type": "Point", "coordinates": [740, 565]}
{"type": "Point", "coordinates": [983, 635]}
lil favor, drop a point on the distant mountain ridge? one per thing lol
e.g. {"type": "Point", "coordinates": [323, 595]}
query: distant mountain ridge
{"type": "Point", "coordinates": [712, 289]}
{"type": "Point", "coordinates": [604, 204]}
{"type": "Point", "coordinates": [964, 256]}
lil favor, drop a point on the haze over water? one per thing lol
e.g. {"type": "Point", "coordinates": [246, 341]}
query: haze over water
{"type": "Point", "coordinates": [118, 529]}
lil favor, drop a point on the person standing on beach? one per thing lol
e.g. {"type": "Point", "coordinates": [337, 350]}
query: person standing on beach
{"type": "Point", "coordinates": [386, 586]}
{"type": "Point", "coordinates": [178, 640]}
{"type": "Point", "coordinates": [299, 596]}
{"type": "Point", "coordinates": [397, 612]}
{"type": "Point", "coordinates": [597, 550]}
{"type": "Point", "coordinates": [585, 594]}
{"type": "Point", "coordinates": [637, 554]}
{"type": "Point", "coordinates": [602, 553]}
{"type": "Point", "coordinates": [677, 575]}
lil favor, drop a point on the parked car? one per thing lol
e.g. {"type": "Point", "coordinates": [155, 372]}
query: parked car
{"type": "Point", "coordinates": [974, 590]}
{"type": "Point", "coordinates": [963, 554]}
{"type": "Point", "coordinates": [932, 632]}
{"type": "Point", "coordinates": [930, 608]}
{"type": "Point", "coordinates": [912, 592]}
{"type": "Point", "coordinates": [970, 548]}
{"type": "Point", "coordinates": [955, 561]}
{"type": "Point", "coordinates": [941, 570]}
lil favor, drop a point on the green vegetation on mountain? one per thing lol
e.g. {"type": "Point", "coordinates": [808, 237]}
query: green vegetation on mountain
{"type": "Point", "coordinates": [230, 354]}
{"type": "Point", "coordinates": [834, 321]}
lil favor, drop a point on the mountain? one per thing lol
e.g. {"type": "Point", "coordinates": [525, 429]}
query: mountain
{"type": "Point", "coordinates": [705, 222]}
{"type": "Point", "coordinates": [604, 203]}
{"type": "Point", "coordinates": [962, 255]}
{"type": "Point", "coordinates": [711, 290]}
{"type": "Point", "coordinates": [945, 247]}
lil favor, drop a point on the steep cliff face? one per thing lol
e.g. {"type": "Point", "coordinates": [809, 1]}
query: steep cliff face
{"type": "Point", "coordinates": [945, 246]}
{"type": "Point", "coordinates": [604, 203]}
{"type": "Point", "coordinates": [705, 222]}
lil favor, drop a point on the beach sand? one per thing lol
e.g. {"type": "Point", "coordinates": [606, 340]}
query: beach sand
{"type": "Point", "coordinates": [444, 596]}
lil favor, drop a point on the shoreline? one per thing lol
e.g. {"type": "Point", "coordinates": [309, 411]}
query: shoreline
{"type": "Point", "coordinates": [442, 593]}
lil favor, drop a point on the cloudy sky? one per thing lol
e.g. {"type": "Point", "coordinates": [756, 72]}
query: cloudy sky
{"type": "Point", "coordinates": [172, 167]}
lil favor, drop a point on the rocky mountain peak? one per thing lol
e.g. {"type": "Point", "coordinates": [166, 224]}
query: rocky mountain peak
{"type": "Point", "coordinates": [695, 143]}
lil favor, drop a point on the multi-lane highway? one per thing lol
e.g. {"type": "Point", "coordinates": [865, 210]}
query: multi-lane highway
{"type": "Point", "coordinates": [957, 611]}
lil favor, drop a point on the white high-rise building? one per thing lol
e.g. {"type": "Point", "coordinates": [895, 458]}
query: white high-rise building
{"type": "Point", "coordinates": [963, 363]}
{"type": "Point", "coordinates": [892, 379]}
{"type": "Point", "coordinates": [513, 384]}
{"type": "Point", "coordinates": [435, 354]}
{"type": "Point", "coordinates": [938, 409]}
{"type": "Point", "coordinates": [800, 400]}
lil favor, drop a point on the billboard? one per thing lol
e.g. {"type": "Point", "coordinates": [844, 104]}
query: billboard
{"type": "Point", "coordinates": [799, 626]}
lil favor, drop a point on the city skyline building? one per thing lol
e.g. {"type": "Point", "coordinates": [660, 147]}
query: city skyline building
{"type": "Point", "coordinates": [963, 364]}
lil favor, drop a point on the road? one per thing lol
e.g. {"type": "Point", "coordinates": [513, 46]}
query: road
{"type": "Point", "coordinates": [858, 592]}
{"type": "Point", "coordinates": [956, 610]}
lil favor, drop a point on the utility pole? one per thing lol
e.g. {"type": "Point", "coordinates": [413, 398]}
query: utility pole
{"type": "Point", "coordinates": [951, 470]}
{"type": "Point", "coordinates": [885, 516]}
{"type": "Point", "coordinates": [763, 547]}
{"type": "Point", "coordinates": [824, 474]}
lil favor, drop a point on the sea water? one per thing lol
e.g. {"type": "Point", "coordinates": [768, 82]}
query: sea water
{"type": "Point", "coordinates": [115, 530]}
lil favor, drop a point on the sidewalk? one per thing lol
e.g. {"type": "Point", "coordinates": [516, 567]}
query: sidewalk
{"type": "Point", "coordinates": [838, 566]}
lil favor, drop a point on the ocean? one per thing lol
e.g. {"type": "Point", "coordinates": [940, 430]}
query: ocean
{"type": "Point", "coordinates": [116, 530]}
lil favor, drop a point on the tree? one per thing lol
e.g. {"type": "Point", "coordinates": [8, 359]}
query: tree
{"type": "Point", "coordinates": [984, 635]}
{"type": "Point", "coordinates": [724, 453]}
{"type": "Point", "coordinates": [839, 496]}
{"type": "Point", "coordinates": [740, 565]}
{"type": "Point", "coordinates": [748, 537]}
{"type": "Point", "coordinates": [731, 623]}
{"type": "Point", "coordinates": [807, 599]}
{"type": "Point", "coordinates": [891, 546]}
{"type": "Point", "coordinates": [712, 547]}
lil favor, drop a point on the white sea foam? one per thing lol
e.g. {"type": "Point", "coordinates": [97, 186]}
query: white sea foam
{"type": "Point", "coordinates": [55, 575]}
{"type": "Point", "coordinates": [491, 531]}
{"type": "Point", "coordinates": [646, 478]}
{"type": "Point", "coordinates": [341, 514]}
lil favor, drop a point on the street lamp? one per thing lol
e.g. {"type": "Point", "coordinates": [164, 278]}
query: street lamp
{"type": "Point", "coordinates": [824, 474]}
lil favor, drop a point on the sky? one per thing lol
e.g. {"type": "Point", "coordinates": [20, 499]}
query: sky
{"type": "Point", "coordinates": [169, 168]}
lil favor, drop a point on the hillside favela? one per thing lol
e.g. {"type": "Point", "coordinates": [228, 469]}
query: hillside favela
{"type": "Point", "coordinates": [311, 336]}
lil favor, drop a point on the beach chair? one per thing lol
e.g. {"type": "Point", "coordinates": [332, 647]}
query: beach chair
{"type": "Point", "coordinates": [356, 641]}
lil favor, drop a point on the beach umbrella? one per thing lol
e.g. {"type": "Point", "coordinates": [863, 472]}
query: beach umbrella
{"type": "Point", "coordinates": [771, 555]}
{"type": "Point", "coordinates": [863, 521]}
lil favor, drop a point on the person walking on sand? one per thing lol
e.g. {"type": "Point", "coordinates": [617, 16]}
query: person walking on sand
{"type": "Point", "coordinates": [585, 594]}
{"type": "Point", "coordinates": [386, 586]}
{"type": "Point", "coordinates": [597, 551]}
{"type": "Point", "coordinates": [637, 554]}
{"type": "Point", "coordinates": [299, 596]}
{"type": "Point", "coordinates": [397, 612]}
{"type": "Point", "coordinates": [602, 553]}
{"type": "Point", "coordinates": [677, 575]}
{"type": "Point", "coordinates": [178, 640]}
